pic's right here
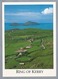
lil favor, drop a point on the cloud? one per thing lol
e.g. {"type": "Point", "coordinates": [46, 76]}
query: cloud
{"type": "Point", "coordinates": [47, 11]}
{"type": "Point", "coordinates": [23, 14]}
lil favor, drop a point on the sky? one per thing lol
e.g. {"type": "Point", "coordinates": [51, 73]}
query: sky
{"type": "Point", "coordinates": [24, 13]}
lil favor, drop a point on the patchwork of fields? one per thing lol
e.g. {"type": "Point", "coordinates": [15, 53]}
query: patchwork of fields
{"type": "Point", "coordinates": [35, 57]}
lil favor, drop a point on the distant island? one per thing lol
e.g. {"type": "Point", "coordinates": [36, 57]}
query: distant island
{"type": "Point", "coordinates": [14, 24]}
{"type": "Point", "coordinates": [25, 24]}
{"type": "Point", "coordinates": [30, 23]}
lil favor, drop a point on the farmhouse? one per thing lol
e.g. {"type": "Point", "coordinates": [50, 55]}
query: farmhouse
{"type": "Point", "coordinates": [21, 51]}
{"type": "Point", "coordinates": [21, 63]}
{"type": "Point", "coordinates": [30, 40]}
{"type": "Point", "coordinates": [27, 47]}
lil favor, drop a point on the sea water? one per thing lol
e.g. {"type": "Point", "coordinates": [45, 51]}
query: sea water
{"type": "Point", "coordinates": [45, 26]}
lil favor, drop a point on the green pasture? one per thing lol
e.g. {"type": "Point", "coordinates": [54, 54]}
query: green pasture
{"type": "Point", "coordinates": [35, 57]}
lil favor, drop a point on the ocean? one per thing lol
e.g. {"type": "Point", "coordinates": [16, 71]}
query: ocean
{"type": "Point", "coordinates": [44, 26]}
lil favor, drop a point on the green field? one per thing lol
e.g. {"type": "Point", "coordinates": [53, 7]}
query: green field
{"type": "Point", "coordinates": [35, 57]}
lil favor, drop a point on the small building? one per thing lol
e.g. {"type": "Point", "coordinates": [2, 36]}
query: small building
{"type": "Point", "coordinates": [21, 51]}
{"type": "Point", "coordinates": [30, 40]}
{"type": "Point", "coordinates": [21, 63]}
{"type": "Point", "coordinates": [27, 47]}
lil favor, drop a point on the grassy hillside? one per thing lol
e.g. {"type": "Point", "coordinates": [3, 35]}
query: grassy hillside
{"type": "Point", "coordinates": [36, 57]}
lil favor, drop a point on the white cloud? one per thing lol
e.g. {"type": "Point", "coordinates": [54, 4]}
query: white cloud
{"type": "Point", "coordinates": [47, 11]}
{"type": "Point", "coordinates": [23, 14]}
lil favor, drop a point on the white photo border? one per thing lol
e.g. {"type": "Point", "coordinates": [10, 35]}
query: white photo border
{"type": "Point", "coordinates": [28, 72]}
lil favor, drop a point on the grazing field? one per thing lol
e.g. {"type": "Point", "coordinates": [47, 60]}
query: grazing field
{"type": "Point", "coordinates": [38, 52]}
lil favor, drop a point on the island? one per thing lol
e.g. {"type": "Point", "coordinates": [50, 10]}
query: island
{"type": "Point", "coordinates": [24, 24]}
{"type": "Point", "coordinates": [30, 23]}
{"type": "Point", "coordinates": [14, 24]}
